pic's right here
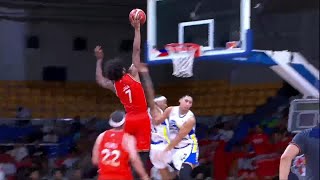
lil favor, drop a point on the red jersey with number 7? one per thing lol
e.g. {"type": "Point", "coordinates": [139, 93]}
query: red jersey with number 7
{"type": "Point", "coordinates": [131, 94]}
{"type": "Point", "coordinates": [113, 158]}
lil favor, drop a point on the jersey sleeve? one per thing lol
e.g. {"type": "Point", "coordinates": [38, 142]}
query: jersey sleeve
{"type": "Point", "coordinates": [300, 140]}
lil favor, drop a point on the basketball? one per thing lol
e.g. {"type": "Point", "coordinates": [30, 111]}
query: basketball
{"type": "Point", "coordinates": [138, 12]}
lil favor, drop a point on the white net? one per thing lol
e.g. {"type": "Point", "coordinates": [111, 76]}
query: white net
{"type": "Point", "coordinates": [182, 63]}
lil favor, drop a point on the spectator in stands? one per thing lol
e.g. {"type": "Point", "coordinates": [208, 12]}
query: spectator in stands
{"type": "Point", "coordinates": [51, 137]}
{"type": "Point", "coordinates": [243, 162]}
{"type": "Point", "coordinates": [2, 174]}
{"type": "Point", "coordinates": [71, 159]}
{"type": "Point", "coordinates": [84, 163]}
{"type": "Point", "coordinates": [23, 112]}
{"type": "Point", "coordinates": [19, 152]}
{"type": "Point", "coordinates": [280, 140]}
{"type": "Point", "coordinates": [37, 150]}
{"type": "Point", "coordinates": [58, 174]}
{"type": "Point", "coordinates": [76, 174]}
{"type": "Point", "coordinates": [7, 163]}
{"type": "Point", "coordinates": [214, 134]}
{"type": "Point", "coordinates": [259, 141]}
{"type": "Point", "coordinates": [34, 174]}
{"type": "Point", "coordinates": [8, 169]}
{"type": "Point", "coordinates": [226, 133]}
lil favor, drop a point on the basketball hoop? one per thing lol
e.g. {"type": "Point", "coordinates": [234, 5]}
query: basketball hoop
{"type": "Point", "coordinates": [182, 58]}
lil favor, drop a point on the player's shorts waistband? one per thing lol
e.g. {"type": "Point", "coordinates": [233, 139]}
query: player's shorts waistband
{"type": "Point", "coordinates": [182, 146]}
{"type": "Point", "coordinates": [158, 142]}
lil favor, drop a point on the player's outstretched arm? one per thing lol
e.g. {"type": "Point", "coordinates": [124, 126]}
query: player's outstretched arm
{"type": "Point", "coordinates": [129, 144]}
{"type": "Point", "coordinates": [101, 80]}
{"type": "Point", "coordinates": [136, 48]}
{"type": "Point", "coordinates": [95, 150]}
{"type": "Point", "coordinates": [285, 161]}
{"type": "Point", "coordinates": [160, 118]}
{"type": "Point", "coordinates": [184, 130]}
{"type": "Point", "coordinates": [148, 89]}
{"type": "Point", "coordinates": [136, 42]}
{"type": "Point", "coordinates": [146, 84]}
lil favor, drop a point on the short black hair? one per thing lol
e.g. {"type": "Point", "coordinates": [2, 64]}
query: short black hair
{"type": "Point", "coordinates": [187, 95]}
{"type": "Point", "coordinates": [113, 69]}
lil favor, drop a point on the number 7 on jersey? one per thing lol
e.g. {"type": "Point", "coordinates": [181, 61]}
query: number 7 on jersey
{"type": "Point", "coordinates": [128, 92]}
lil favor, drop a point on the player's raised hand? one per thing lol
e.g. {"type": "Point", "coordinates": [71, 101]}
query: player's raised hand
{"type": "Point", "coordinates": [98, 52]}
{"type": "Point", "coordinates": [136, 23]}
{"type": "Point", "coordinates": [164, 156]}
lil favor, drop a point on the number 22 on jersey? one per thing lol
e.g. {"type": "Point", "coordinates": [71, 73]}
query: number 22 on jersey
{"type": "Point", "coordinates": [128, 92]}
{"type": "Point", "coordinates": [110, 157]}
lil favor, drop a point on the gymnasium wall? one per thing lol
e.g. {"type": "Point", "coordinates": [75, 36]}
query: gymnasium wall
{"type": "Point", "coordinates": [19, 63]}
{"type": "Point", "coordinates": [56, 48]}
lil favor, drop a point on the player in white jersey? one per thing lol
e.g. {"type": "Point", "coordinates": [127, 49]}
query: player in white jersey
{"type": "Point", "coordinates": [160, 139]}
{"type": "Point", "coordinates": [183, 141]}
{"type": "Point", "coordinates": [182, 123]}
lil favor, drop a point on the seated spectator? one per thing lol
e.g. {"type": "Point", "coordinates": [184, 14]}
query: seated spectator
{"type": "Point", "coordinates": [19, 152]}
{"type": "Point", "coordinates": [37, 150]}
{"type": "Point", "coordinates": [51, 137]}
{"type": "Point", "coordinates": [8, 168]}
{"type": "Point", "coordinates": [259, 141]}
{"type": "Point", "coordinates": [23, 112]}
{"type": "Point", "coordinates": [280, 141]}
{"type": "Point", "coordinates": [34, 174]}
{"type": "Point", "coordinates": [76, 174]}
{"type": "Point", "coordinates": [71, 159]}
{"type": "Point", "coordinates": [214, 134]}
{"type": "Point", "coordinates": [58, 174]}
{"type": "Point", "coordinates": [226, 133]}
{"type": "Point", "coordinates": [2, 174]}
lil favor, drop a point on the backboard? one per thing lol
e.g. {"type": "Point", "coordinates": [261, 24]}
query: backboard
{"type": "Point", "coordinates": [209, 23]}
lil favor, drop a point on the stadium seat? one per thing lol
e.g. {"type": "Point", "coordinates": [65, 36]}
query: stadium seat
{"type": "Point", "coordinates": [47, 99]}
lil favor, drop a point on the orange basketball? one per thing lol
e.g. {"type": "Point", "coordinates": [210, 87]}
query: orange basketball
{"type": "Point", "coordinates": [138, 13]}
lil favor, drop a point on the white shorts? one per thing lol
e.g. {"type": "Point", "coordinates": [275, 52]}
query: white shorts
{"type": "Point", "coordinates": [155, 150]}
{"type": "Point", "coordinates": [188, 154]}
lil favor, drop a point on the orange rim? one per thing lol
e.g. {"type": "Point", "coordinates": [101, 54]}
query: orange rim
{"type": "Point", "coordinates": [177, 47]}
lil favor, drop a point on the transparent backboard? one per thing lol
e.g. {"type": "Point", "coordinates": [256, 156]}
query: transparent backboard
{"type": "Point", "coordinates": [220, 27]}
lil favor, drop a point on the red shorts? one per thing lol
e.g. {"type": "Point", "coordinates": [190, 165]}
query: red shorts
{"type": "Point", "coordinates": [139, 125]}
{"type": "Point", "coordinates": [115, 177]}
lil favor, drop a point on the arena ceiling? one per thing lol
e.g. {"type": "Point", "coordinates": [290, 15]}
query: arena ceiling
{"type": "Point", "coordinates": [115, 11]}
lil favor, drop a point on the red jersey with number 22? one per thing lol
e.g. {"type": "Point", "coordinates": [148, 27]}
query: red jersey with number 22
{"type": "Point", "coordinates": [131, 94]}
{"type": "Point", "coordinates": [113, 158]}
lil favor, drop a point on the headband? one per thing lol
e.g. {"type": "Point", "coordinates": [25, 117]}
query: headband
{"type": "Point", "coordinates": [116, 124]}
{"type": "Point", "coordinates": [161, 98]}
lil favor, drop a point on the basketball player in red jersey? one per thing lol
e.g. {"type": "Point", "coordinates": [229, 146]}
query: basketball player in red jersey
{"type": "Point", "coordinates": [114, 149]}
{"type": "Point", "coordinates": [126, 84]}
